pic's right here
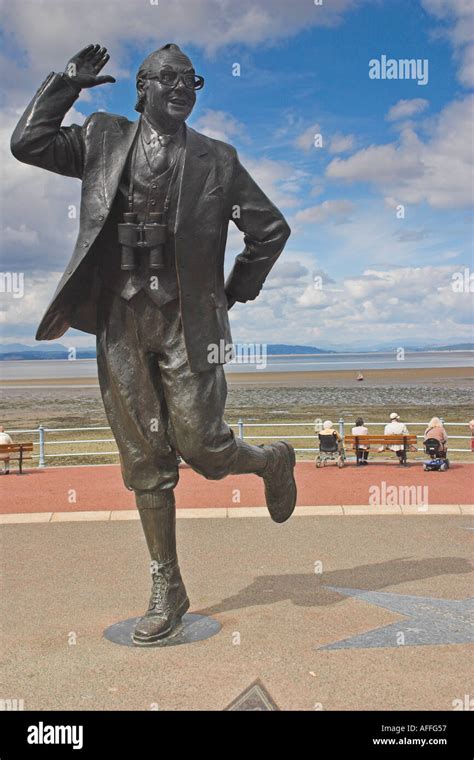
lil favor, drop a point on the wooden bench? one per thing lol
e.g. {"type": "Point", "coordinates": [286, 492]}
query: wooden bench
{"type": "Point", "coordinates": [16, 452]}
{"type": "Point", "coordinates": [357, 442]}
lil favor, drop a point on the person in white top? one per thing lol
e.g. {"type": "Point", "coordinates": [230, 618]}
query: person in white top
{"type": "Point", "coordinates": [396, 427]}
{"type": "Point", "coordinates": [5, 438]}
{"type": "Point", "coordinates": [362, 452]}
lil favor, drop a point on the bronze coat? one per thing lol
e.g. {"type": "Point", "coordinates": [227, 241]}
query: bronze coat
{"type": "Point", "coordinates": [213, 184]}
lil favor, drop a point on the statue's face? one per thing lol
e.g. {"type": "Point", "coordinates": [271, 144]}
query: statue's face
{"type": "Point", "coordinates": [164, 102]}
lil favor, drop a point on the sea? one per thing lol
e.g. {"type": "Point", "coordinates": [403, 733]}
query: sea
{"type": "Point", "coordinates": [77, 369]}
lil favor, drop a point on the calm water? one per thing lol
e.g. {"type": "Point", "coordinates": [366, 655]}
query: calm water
{"type": "Point", "coordinates": [87, 368]}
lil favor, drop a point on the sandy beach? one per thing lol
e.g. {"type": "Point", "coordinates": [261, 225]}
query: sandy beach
{"type": "Point", "coordinates": [401, 376]}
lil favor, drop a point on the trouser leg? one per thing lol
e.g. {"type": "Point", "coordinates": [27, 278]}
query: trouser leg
{"type": "Point", "coordinates": [249, 459]}
{"type": "Point", "coordinates": [132, 393]}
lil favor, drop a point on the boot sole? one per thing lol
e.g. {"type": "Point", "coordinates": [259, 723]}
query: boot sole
{"type": "Point", "coordinates": [170, 631]}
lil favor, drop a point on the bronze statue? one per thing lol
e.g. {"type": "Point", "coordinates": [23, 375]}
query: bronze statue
{"type": "Point", "coordinates": [146, 277]}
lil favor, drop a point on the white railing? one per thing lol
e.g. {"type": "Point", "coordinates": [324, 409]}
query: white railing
{"type": "Point", "coordinates": [41, 433]}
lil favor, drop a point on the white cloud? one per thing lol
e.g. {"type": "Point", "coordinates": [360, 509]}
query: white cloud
{"type": "Point", "coordinates": [380, 305]}
{"type": "Point", "coordinates": [50, 32]}
{"type": "Point", "coordinates": [37, 292]}
{"type": "Point", "coordinates": [336, 143]}
{"type": "Point", "coordinates": [278, 179]}
{"type": "Point", "coordinates": [341, 143]}
{"type": "Point", "coordinates": [437, 170]}
{"type": "Point", "coordinates": [459, 15]}
{"type": "Point", "coordinates": [306, 140]}
{"type": "Point", "coordinates": [336, 211]}
{"type": "Point", "coordinates": [405, 109]}
{"type": "Point", "coordinates": [219, 125]}
{"type": "Point", "coordinates": [38, 234]}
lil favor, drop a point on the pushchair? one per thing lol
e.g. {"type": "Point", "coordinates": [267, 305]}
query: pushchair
{"type": "Point", "coordinates": [329, 451]}
{"type": "Point", "coordinates": [438, 457]}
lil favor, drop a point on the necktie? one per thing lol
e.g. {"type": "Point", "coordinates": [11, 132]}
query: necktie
{"type": "Point", "coordinates": [160, 153]}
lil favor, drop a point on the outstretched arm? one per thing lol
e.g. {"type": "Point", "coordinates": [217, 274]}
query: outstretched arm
{"type": "Point", "coordinates": [265, 234]}
{"type": "Point", "coordinates": [39, 139]}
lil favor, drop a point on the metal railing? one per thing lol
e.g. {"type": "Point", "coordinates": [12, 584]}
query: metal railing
{"type": "Point", "coordinates": [42, 441]}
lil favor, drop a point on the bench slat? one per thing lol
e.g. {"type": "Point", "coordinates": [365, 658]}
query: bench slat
{"type": "Point", "coordinates": [394, 439]}
{"type": "Point", "coordinates": [15, 447]}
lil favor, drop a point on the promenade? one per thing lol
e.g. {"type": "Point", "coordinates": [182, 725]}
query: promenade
{"type": "Point", "coordinates": [42, 493]}
{"type": "Point", "coordinates": [347, 606]}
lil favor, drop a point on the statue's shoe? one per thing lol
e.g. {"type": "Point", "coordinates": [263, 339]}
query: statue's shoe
{"type": "Point", "coordinates": [168, 603]}
{"type": "Point", "coordinates": [279, 480]}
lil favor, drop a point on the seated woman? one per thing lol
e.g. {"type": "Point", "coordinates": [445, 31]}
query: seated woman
{"type": "Point", "coordinates": [362, 452]}
{"type": "Point", "coordinates": [436, 430]}
{"type": "Point", "coordinates": [328, 429]}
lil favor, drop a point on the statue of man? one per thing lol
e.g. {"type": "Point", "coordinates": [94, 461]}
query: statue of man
{"type": "Point", "coordinates": [147, 278]}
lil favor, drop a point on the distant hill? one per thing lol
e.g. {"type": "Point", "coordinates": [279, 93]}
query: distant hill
{"type": "Point", "coordinates": [274, 349]}
{"type": "Point", "coordinates": [21, 351]}
{"type": "Point", "coordinates": [453, 347]}
{"type": "Point", "coordinates": [15, 348]}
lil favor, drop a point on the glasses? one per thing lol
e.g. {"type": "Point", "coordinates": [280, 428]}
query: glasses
{"type": "Point", "coordinates": [170, 78]}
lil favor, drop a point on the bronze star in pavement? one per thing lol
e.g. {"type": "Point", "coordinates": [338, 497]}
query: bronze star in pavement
{"type": "Point", "coordinates": [428, 621]}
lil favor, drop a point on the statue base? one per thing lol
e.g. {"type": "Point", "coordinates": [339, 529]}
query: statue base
{"type": "Point", "coordinates": [192, 628]}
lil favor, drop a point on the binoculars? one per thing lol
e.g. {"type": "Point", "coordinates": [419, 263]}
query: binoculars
{"type": "Point", "coordinates": [150, 236]}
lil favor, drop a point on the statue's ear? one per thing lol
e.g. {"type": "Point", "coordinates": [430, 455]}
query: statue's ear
{"type": "Point", "coordinates": [141, 89]}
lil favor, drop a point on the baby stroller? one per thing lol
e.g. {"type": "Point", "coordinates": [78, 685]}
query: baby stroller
{"type": "Point", "coordinates": [438, 457]}
{"type": "Point", "coordinates": [329, 451]}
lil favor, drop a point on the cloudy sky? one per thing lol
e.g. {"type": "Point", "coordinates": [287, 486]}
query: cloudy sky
{"type": "Point", "coordinates": [379, 204]}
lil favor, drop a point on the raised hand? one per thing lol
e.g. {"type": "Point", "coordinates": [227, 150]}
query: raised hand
{"type": "Point", "coordinates": [84, 67]}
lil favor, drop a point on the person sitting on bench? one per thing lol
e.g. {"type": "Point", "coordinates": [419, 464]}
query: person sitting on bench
{"type": "Point", "coordinates": [362, 451]}
{"type": "Point", "coordinates": [395, 427]}
{"type": "Point", "coordinates": [5, 438]}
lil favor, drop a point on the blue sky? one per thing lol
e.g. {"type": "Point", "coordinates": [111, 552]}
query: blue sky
{"type": "Point", "coordinates": [304, 71]}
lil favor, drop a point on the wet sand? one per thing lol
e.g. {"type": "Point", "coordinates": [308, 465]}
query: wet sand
{"type": "Point", "coordinates": [279, 396]}
{"type": "Point", "coordinates": [401, 376]}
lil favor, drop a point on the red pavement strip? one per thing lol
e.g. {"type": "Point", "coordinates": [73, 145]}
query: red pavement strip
{"type": "Point", "coordinates": [101, 488]}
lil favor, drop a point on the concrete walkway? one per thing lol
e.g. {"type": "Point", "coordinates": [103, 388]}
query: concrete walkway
{"type": "Point", "coordinates": [320, 610]}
